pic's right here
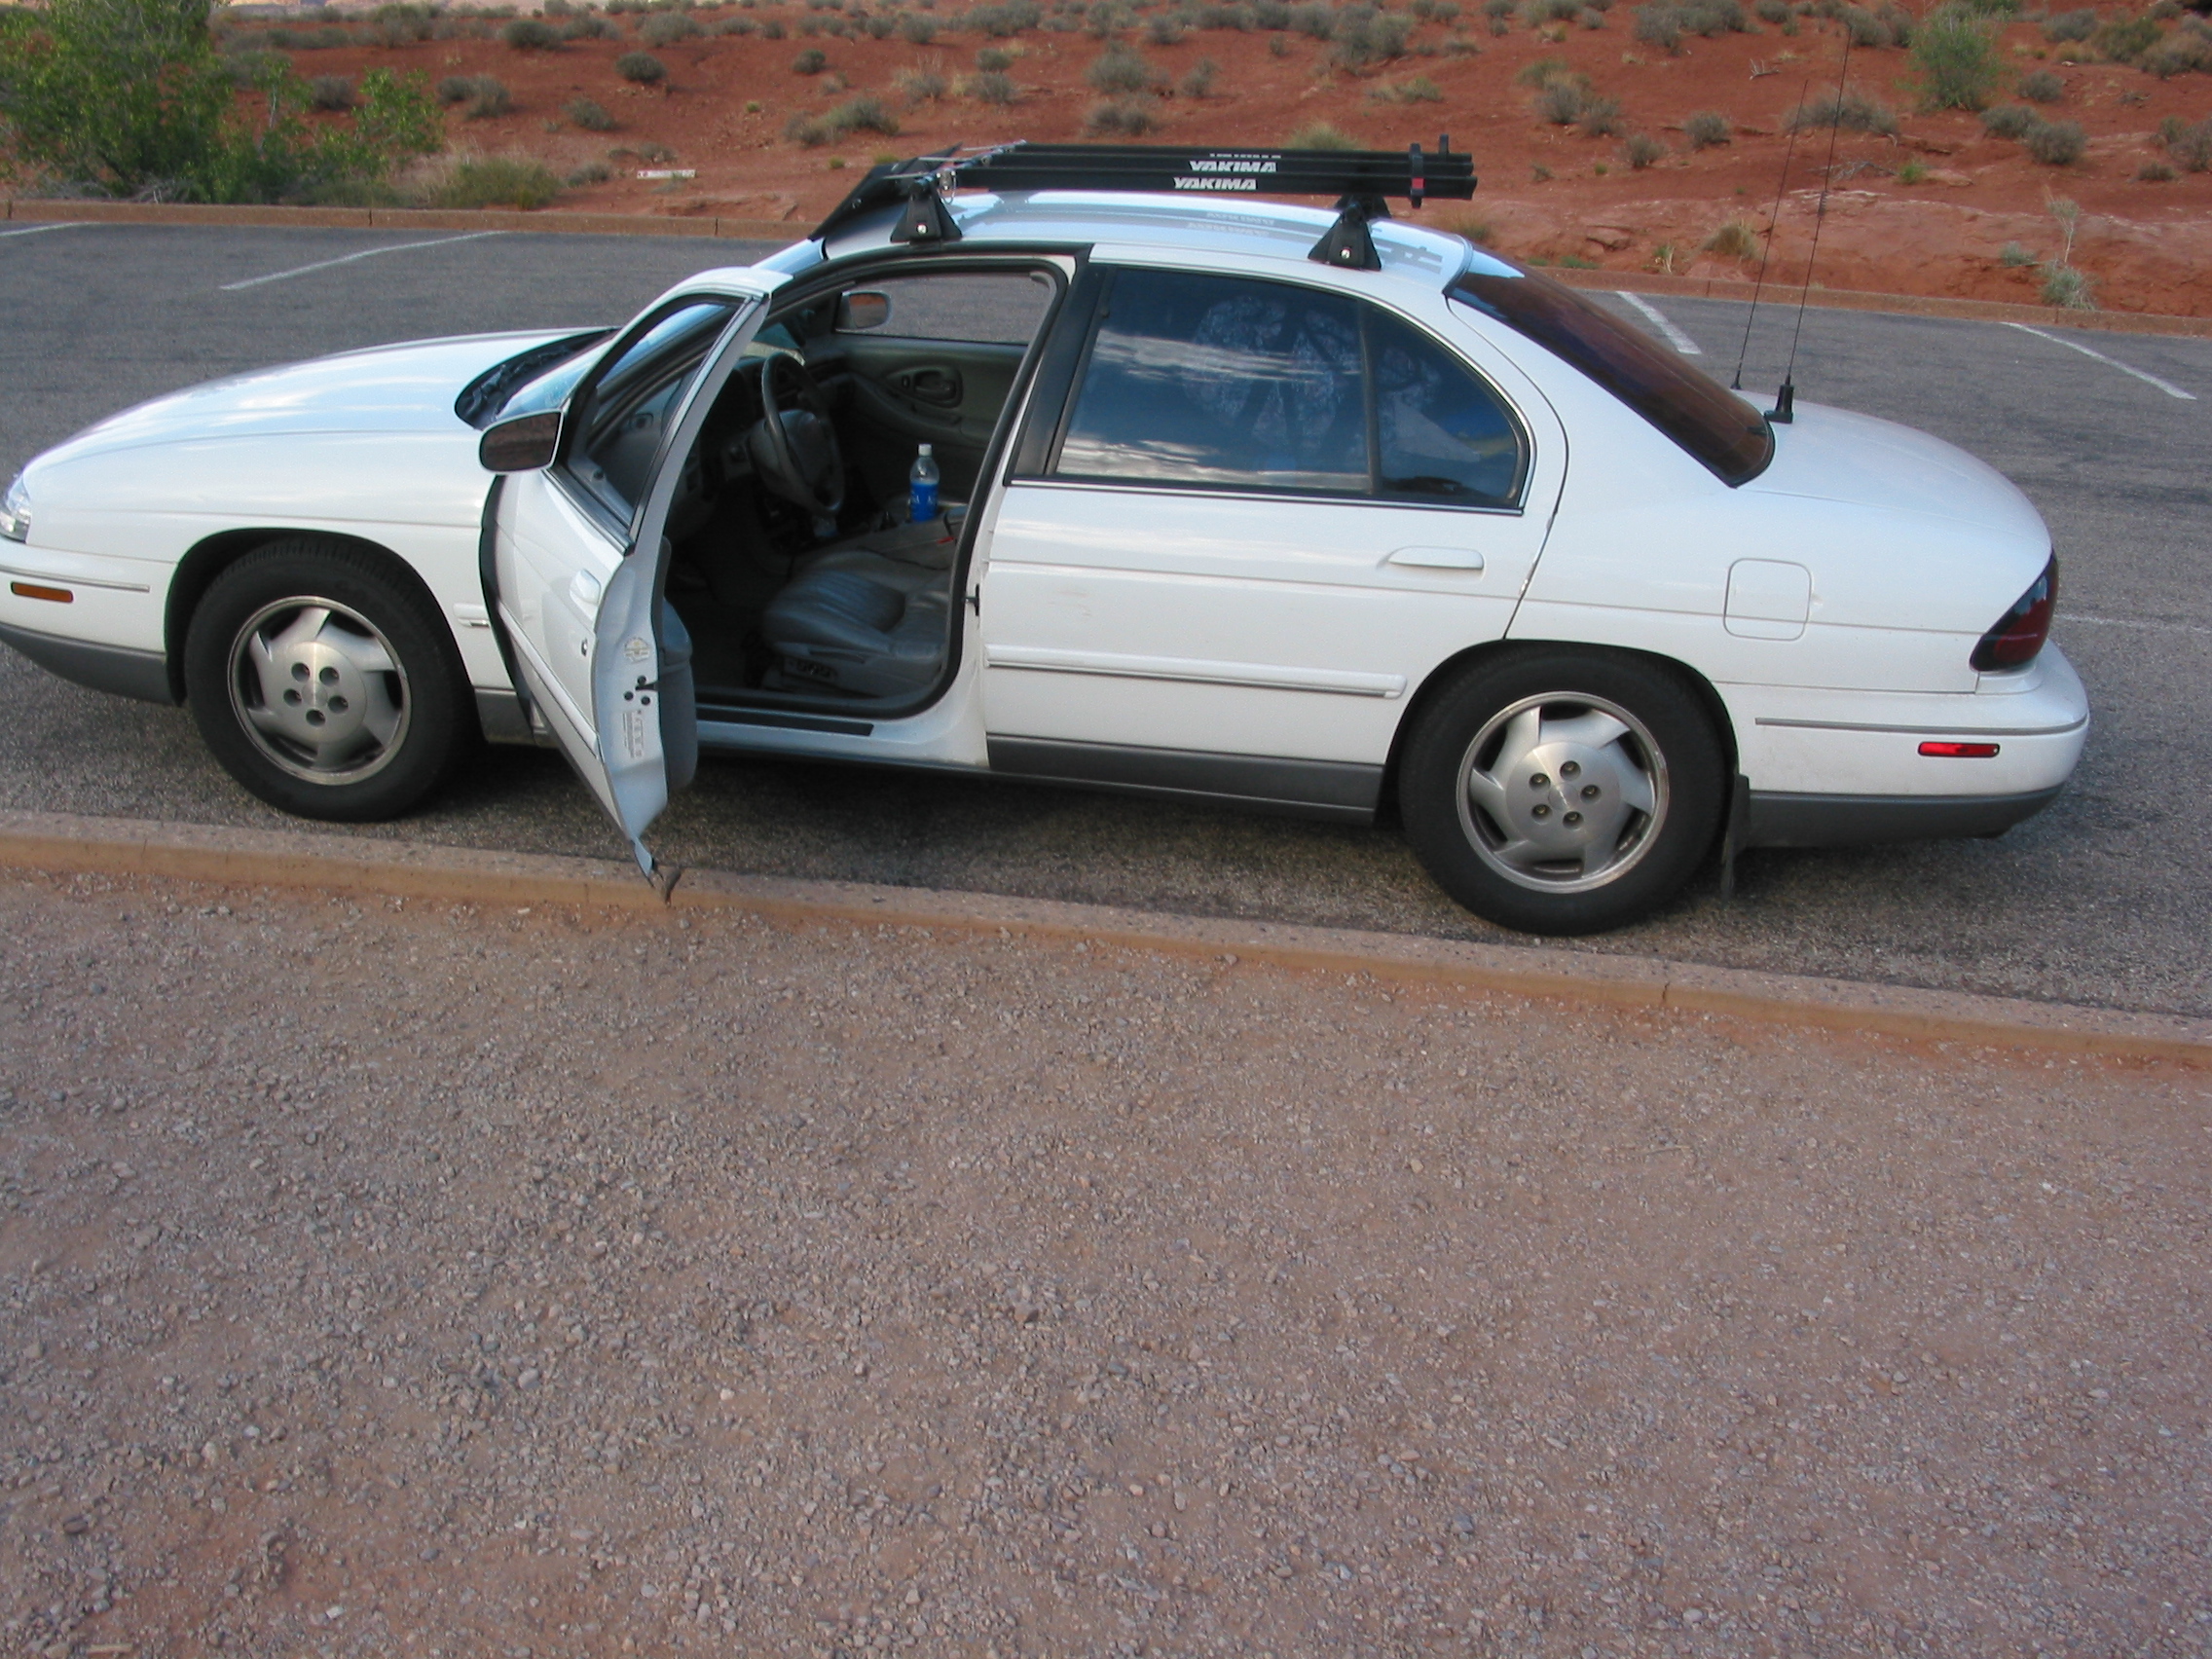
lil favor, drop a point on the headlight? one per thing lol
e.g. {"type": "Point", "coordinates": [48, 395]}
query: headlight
{"type": "Point", "coordinates": [16, 511]}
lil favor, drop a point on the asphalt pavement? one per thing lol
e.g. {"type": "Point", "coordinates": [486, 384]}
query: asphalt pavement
{"type": "Point", "coordinates": [2102, 900]}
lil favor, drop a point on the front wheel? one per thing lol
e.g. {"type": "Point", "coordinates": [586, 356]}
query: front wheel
{"type": "Point", "coordinates": [323, 682]}
{"type": "Point", "coordinates": [1562, 792]}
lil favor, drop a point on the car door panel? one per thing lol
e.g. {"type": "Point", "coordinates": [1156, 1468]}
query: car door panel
{"type": "Point", "coordinates": [943, 392]}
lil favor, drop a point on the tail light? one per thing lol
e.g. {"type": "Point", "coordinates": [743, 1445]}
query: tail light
{"type": "Point", "coordinates": [2021, 631]}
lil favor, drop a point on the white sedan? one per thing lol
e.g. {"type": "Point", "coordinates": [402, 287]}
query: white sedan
{"type": "Point", "coordinates": [1226, 514]}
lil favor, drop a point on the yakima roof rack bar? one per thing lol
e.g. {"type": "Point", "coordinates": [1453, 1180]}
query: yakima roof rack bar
{"type": "Point", "coordinates": [1363, 181]}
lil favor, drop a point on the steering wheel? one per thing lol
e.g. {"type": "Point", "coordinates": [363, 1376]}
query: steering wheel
{"type": "Point", "coordinates": [793, 447]}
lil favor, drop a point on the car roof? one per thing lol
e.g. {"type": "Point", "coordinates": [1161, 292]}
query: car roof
{"type": "Point", "coordinates": [1235, 231]}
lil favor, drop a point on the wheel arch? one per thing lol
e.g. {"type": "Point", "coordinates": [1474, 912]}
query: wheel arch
{"type": "Point", "coordinates": [205, 563]}
{"type": "Point", "coordinates": [1492, 650]}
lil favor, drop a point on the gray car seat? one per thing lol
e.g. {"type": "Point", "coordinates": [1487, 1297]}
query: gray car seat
{"type": "Point", "coordinates": [868, 616]}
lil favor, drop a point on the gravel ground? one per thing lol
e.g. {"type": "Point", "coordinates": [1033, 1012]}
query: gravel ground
{"type": "Point", "coordinates": [382, 1278]}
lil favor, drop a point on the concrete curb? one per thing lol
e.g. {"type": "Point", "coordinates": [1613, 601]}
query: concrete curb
{"type": "Point", "coordinates": [554, 222]}
{"type": "Point", "coordinates": [61, 844]}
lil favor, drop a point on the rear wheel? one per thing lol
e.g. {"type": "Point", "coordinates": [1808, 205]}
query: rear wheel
{"type": "Point", "coordinates": [324, 683]}
{"type": "Point", "coordinates": [1562, 792]}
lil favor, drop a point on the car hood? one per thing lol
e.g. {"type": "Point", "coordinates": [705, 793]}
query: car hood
{"type": "Point", "coordinates": [386, 390]}
{"type": "Point", "coordinates": [1833, 454]}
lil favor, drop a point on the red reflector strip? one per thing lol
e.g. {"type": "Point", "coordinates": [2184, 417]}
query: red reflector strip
{"type": "Point", "coordinates": [1960, 751]}
{"type": "Point", "coordinates": [36, 590]}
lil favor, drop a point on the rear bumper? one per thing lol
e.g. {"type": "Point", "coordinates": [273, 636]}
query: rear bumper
{"type": "Point", "coordinates": [1779, 819]}
{"type": "Point", "coordinates": [128, 673]}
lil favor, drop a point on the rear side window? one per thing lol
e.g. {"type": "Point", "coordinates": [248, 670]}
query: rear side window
{"type": "Point", "coordinates": [1216, 382]}
{"type": "Point", "coordinates": [1713, 424]}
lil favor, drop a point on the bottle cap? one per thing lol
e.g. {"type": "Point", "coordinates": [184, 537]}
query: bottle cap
{"type": "Point", "coordinates": [925, 449]}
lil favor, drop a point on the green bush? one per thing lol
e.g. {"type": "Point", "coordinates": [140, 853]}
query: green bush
{"type": "Point", "coordinates": [1320, 135]}
{"type": "Point", "coordinates": [2008, 121]}
{"type": "Point", "coordinates": [2187, 48]}
{"type": "Point", "coordinates": [2191, 146]}
{"type": "Point", "coordinates": [1600, 117]}
{"type": "Point", "coordinates": [1706, 129]}
{"type": "Point", "coordinates": [994, 60]}
{"type": "Point", "coordinates": [590, 26]}
{"type": "Point", "coordinates": [919, 85]}
{"type": "Point", "coordinates": [133, 97]}
{"type": "Point", "coordinates": [2126, 40]}
{"type": "Point", "coordinates": [1854, 112]}
{"type": "Point", "coordinates": [1120, 70]}
{"type": "Point", "coordinates": [1955, 52]}
{"type": "Point", "coordinates": [668, 28]}
{"type": "Point", "coordinates": [332, 92]}
{"type": "Point", "coordinates": [2041, 87]}
{"type": "Point", "coordinates": [2055, 143]}
{"type": "Point", "coordinates": [917, 30]}
{"type": "Point", "coordinates": [590, 114]}
{"type": "Point", "coordinates": [1199, 82]}
{"type": "Point", "coordinates": [863, 114]}
{"type": "Point", "coordinates": [812, 61]}
{"type": "Point", "coordinates": [1642, 150]}
{"type": "Point", "coordinates": [641, 67]}
{"type": "Point", "coordinates": [1361, 37]}
{"type": "Point", "coordinates": [1418, 89]}
{"type": "Point", "coordinates": [486, 98]}
{"type": "Point", "coordinates": [2068, 288]}
{"type": "Point", "coordinates": [494, 181]}
{"type": "Point", "coordinates": [1003, 18]}
{"type": "Point", "coordinates": [2069, 26]}
{"type": "Point", "coordinates": [1563, 103]}
{"type": "Point", "coordinates": [995, 88]}
{"type": "Point", "coordinates": [1120, 118]}
{"type": "Point", "coordinates": [529, 34]}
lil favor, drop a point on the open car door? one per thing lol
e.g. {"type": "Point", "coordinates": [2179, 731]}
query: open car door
{"type": "Point", "coordinates": [575, 560]}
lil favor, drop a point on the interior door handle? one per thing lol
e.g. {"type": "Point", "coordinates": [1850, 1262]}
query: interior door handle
{"type": "Point", "coordinates": [931, 384]}
{"type": "Point", "coordinates": [1437, 558]}
{"type": "Point", "coordinates": [584, 589]}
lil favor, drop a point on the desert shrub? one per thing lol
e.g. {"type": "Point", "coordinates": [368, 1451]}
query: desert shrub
{"type": "Point", "coordinates": [591, 27]}
{"type": "Point", "coordinates": [2055, 143]}
{"type": "Point", "coordinates": [1003, 18]}
{"type": "Point", "coordinates": [1120, 118]}
{"type": "Point", "coordinates": [1955, 52]}
{"type": "Point", "coordinates": [2067, 288]}
{"type": "Point", "coordinates": [1600, 116]}
{"type": "Point", "coordinates": [1733, 239]}
{"type": "Point", "coordinates": [1542, 71]}
{"type": "Point", "coordinates": [917, 30]}
{"type": "Point", "coordinates": [331, 93]}
{"type": "Point", "coordinates": [2041, 87]}
{"type": "Point", "coordinates": [1883, 26]}
{"type": "Point", "coordinates": [1199, 82]}
{"type": "Point", "coordinates": [812, 61]}
{"type": "Point", "coordinates": [591, 172]}
{"type": "Point", "coordinates": [1562, 102]}
{"type": "Point", "coordinates": [1320, 135]}
{"type": "Point", "coordinates": [994, 60]}
{"type": "Point", "coordinates": [529, 34]}
{"type": "Point", "coordinates": [2155, 172]}
{"type": "Point", "coordinates": [919, 85]}
{"type": "Point", "coordinates": [1664, 22]}
{"type": "Point", "coordinates": [487, 98]}
{"type": "Point", "coordinates": [2008, 121]}
{"type": "Point", "coordinates": [1854, 112]}
{"type": "Point", "coordinates": [1642, 150]}
{"type": "Point", "coordinates": [2191, 146]}
{"type": "Point", "coordinates": [772, 28]}
{"type": "Point", "coordinates": [456, 89]}
{"type": "Point", "coordinates": [2012, 256]}
{"type": "Point", "coordinates": [1162, 29]}
{"type": "Point", "coordinates": [996, 89]}
{"type": "Point", "coordinates": [1120, 70]}
{"type": "Point", "coordinates": [1418, 89]}
{"type": "Point", "coordinates": [589, 115]}
{"type": "Point", "coordinates": [1706, 129]}
{"type": "Point", "coordinates": [494, 181]}
{"type": "Point", "coordinates": [2187, 48]}
{"type": "Point", "coordinates": [2126, 40]}
{"type": "Point", "coordinates": [1773, 11]}
{"type": "Point", "coordinates": [1361, 36]}
{"type": "Point", "coordinates": [665, 29]}
{"type": "Point", "coordinates": [643, 67]}
{"type": "Point", "coordinates": [862, 114]}
{"type": "Point", "coordinates": [2070, 26]}
{"type": "Point", "coordinates": [1658, 24]}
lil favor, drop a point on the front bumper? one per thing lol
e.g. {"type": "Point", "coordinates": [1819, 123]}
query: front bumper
{"type": "Point", "coordinates": [117, 669]}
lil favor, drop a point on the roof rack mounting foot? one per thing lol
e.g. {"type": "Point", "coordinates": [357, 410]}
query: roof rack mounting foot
{"type": "Point", "coordinates": [925, 217]}
{"type": "Point", "coordinates": [1346, 246]}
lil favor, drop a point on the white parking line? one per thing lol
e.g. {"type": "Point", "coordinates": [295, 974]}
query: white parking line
{"type": "Point", "coordinates": [349, 258]}
{"type": "Point", "coordinates": [1675, 338]}
{"type": "Point", "coordinates": [2166, 387]}
{"type": "Point", "coordinates": [40, 230]}
{"type": "Point", "coordinates": [2131, 623]}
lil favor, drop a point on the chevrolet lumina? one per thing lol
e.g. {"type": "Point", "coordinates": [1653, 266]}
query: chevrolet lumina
{"type": "Point", "coordinates": [1317, 512]}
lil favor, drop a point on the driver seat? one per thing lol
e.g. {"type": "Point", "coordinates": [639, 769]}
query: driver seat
{"type": "Point", "coordinates": [867, 618]}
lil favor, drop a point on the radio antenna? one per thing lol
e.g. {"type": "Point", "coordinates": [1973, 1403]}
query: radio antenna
{"type": "Point", "coordinates": [1786, 400]}
{"type": "Point", "coordinates": [1781, 184]}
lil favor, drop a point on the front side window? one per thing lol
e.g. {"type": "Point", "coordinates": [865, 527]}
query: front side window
{"type": "Point", "coordinates": [621, 419]}
{"type": "Point", "coordinates": [1221, 381]}
{"type": "Point", "coordinates": [1713, 424]}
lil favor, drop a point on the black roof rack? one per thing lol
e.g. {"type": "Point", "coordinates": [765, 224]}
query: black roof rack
{"type": "Point", "coordinates": [1363, 181]}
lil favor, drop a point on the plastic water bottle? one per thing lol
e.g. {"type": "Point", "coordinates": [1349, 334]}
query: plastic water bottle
{"type": "Point", "coordinates": [921, 488]}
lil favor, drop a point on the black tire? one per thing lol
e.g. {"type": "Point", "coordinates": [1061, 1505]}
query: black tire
{"type": "Point", "coordinates": [258, 667]}
{"type": "Point", "coordinates": [1583, 819]}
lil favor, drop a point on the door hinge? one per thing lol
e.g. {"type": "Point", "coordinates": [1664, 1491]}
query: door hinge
{"type": "Point", "coordinates": [976, 599]}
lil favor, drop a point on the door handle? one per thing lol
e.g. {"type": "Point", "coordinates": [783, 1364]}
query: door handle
{"type": "Point", "coordinates": [1437, 559]}
{"type": "Point", "coordinates": [584, 589]}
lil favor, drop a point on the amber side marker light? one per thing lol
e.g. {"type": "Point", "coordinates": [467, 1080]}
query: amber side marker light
{"type": "Point", "coordinates": [35, 590]}
{"type": "Point", "coordinates": [1960, 751]}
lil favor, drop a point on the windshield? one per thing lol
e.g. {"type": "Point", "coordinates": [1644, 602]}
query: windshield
{"type": "Point", "coordinates": [485, 398]}
{"type": "Point", "coordinates": [1712, 423]}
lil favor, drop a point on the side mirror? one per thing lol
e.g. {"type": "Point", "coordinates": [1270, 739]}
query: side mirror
{"type": "Point", "coordinates": [862, 310]}
{"type": "Point", "coordinates": [525, 444]}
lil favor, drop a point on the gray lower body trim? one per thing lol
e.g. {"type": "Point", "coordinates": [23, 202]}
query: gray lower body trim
{"type": "Point", "coordinates": [1338, 790]}
{"type": "Point", "coordinates": [143, 674]}
{"type": "Point", "coordinates": [505, 719]}
{"type": "Point", "coordinates": [1842, 821]}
